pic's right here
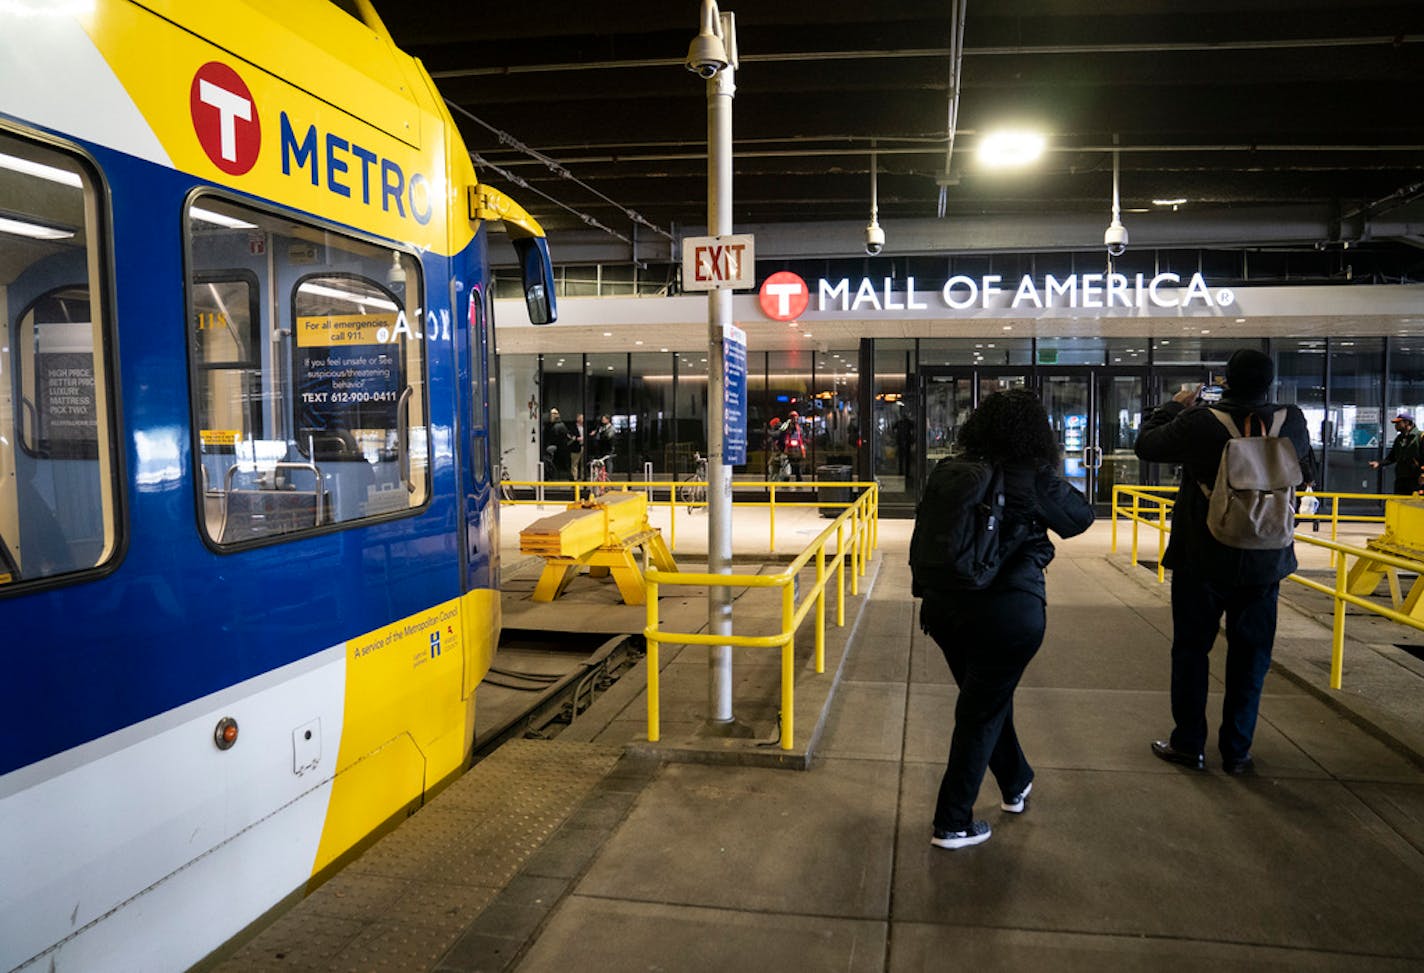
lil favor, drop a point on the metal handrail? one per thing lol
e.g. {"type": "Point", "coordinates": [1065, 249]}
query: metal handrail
{"type": "Point", "coordinates": [672, 502]}
{"type": "Point", "coordinates": [1338, 555]}
{"type": "Point", "coordinates": [860, 517]}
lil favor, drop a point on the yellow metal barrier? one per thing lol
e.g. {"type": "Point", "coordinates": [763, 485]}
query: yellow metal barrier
{"type": "Point", "coordinates": [1367, 558]}
{"type": "Point", "coordinates": [859, 520]}
{"type": "Point", "coordinates": [666, 493]}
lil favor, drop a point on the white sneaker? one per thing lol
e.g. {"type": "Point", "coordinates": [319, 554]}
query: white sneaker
{"type": "Point", "coordinates": [1015, 805]}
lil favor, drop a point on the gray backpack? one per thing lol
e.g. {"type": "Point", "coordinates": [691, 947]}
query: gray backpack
{"type": "Point", "coordinates": [1252, 506]}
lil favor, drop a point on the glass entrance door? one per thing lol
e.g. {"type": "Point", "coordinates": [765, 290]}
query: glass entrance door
{"type": "Point", "coordinates": [948, 395]}
{"type": "Point", "coordinates": [947, 398]}
{"type": "Point", "coordinates": [1096, 414]}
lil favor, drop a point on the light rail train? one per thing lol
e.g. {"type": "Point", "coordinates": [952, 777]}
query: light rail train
{"type": "Point", "coordinates": [248, 561]}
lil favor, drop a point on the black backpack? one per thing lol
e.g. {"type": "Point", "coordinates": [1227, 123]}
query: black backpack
{"type": "Point", "coordinates": [958, 541]}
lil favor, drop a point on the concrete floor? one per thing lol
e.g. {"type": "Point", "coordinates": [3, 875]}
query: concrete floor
{"type": "Point", "coordinates": [1120, 863]}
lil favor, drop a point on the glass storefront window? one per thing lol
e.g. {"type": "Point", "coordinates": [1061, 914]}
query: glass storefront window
{"type": "Point", "coordinates": [975, 351]}
{"type": "Point", "coordinates": [606, 394]}
{"type": "Point", "coordinates": [1300, 380]}
{"type": "Point", "coordinates": [896, 409]}
{"type": "Point", "coordinates": [837, 425]}
{"type": "Point", "coordinates": [1354, 428]}
{"type": "Point", "coordinates": [1071, 350]}
{"type": "Point", "coordinates": [647, 428]}
{"type": "Point", "coordinates": [1406, 379]}
{"type": "Point", "coordinates": [689, 433]}
{"type": "Point", "coordinates": [1200, 350]}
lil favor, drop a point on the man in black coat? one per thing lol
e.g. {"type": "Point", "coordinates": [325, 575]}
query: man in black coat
{"type": "Point", "coordinates": [1210, 579]}
{"type": "Point", "coordinates": [1404, 456]}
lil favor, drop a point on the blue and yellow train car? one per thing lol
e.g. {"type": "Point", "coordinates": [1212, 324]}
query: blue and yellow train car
{"type": "Point", "coordinates": [248, 563]}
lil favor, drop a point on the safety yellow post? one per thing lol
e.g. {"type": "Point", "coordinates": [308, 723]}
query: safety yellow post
{"type": "Point", "coordinates": [854, 554]}
{"type": "Point", "coordinates": [1337, 634]}
{"type": "Point", "coordinates": [821, 608]}
{"type": "Point", "coordinates": [865, 548]}
{"type": "Point", "coordinates": [1117, 492]}
{"type": "Point", "coordinates": [651, 660]}
{"type": "Point", "coordinates": [788, 665]}
{"type": "Point", "coordinates": [1335, 528]}
{"type": "Point", "coordinates": [1136, 512]}
{"type": "Point", "coordinates": [840, 575]}
{"type": "Point", "coordinates": [672, 518]}
{"type": "Point", "coordinates": [771, 535]}
{"type": "Point", "coordinates": [1161, 538]}
{"type": "Point", "coordinates": [874, 506]}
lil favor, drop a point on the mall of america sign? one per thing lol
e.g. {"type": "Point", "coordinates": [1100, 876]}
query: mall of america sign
{"type": "Point", "coordinates": [784, 291]}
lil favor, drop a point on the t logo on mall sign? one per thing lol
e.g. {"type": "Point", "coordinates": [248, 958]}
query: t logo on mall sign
{"type": "Point", "coordinates": [784, 296]}
{"type": "Point", "coordinates": [225, 118]}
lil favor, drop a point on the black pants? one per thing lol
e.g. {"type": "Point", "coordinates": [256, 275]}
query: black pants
{"type": "Point", "coordinates": [1197, 607]}
{"type": "Point", "coordinates": [988, 644]}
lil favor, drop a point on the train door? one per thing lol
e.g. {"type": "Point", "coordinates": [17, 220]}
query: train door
{"type": "Point", "coordinates": [481, 558]}
{"type": "Point", "coordinates": [1096, 414]}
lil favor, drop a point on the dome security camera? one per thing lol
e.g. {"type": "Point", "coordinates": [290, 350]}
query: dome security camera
{"type": "Point", "coordinates": [708, 52]}
{"type": "Point", "coordinates": [874, 239]}
{"type": "Point", "coordinates": [1115, 239]}
{"type": "Point", "coordinates": [706, 56]}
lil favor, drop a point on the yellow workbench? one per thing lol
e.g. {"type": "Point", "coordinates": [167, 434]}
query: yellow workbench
{"type": "Point", "coordinates": [601, 533]}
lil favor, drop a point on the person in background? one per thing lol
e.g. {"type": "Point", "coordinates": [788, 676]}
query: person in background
{"type": "Point", "coordinates": [792, 442]}
{"type": "Point", "coordinates": [557, 448]}
{"type": "Point", "coordinates": [1404, 455]}
{"type": "Point", "coordinates": [576, 454]}
{"type": "Point", "coordinates": [602, 445]}
{"type": "Point", "coordinates": [1210, 579]}
{"type": "Point", "coordinates": [989, 636]}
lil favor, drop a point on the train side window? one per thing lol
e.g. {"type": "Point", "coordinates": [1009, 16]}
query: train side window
{"type": "Point", "coordinates": [309, 375]}
{"type": "Point", "coordinates": [58, 483]}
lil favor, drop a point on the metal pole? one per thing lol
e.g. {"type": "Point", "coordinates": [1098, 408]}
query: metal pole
{"type": "Point", "coordinates": [721, 88]}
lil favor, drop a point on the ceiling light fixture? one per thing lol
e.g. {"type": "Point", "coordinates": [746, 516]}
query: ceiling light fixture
{"type": "Point", "coordinates": [50, 173]}
{"type": "Point", "coordinates": [34, 231]}
{"type": "Point", "coordinates": [222, 219]}
{"type": "Point", "coordinates": [1010, 149]}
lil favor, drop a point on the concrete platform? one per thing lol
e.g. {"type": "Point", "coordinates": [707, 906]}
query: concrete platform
{"type": "Point", "coordinates": [1120, 863]}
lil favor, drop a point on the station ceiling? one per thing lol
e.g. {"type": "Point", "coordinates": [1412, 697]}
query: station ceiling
{"type": "Point", "coordinates": [1274, 123]}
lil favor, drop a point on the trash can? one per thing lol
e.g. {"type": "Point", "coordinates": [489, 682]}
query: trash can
{"type": "Point", "coordinates": [833, 494]}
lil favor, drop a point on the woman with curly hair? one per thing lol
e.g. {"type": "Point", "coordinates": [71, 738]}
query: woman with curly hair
{"type": "Point", "coordinates": [989, 635]}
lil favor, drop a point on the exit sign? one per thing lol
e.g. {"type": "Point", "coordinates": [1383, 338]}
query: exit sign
{"type": "Point", "coordinates": [712, 263]}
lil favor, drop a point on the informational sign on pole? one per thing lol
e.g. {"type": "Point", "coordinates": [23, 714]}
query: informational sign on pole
{"type": "Point", "coordinates": [734, 395]}
{"type": "Point", "coordinates": [712, 263]}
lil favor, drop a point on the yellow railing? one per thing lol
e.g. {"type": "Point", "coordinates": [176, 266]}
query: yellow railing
{"type": "Point", "coordinates": [1160, 500]}
{"type": "Point", "coordinates": [691, 494]}
{"type": "Point", "coordinates": [855, 533]}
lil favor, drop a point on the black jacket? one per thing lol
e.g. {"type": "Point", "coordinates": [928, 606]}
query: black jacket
{"type": "Point", "coordinates": [1404, 456]}
{"type": "Point", "coordinates": [1195, 438]}
{"type": "Point", "coordinates": [1035, 501]}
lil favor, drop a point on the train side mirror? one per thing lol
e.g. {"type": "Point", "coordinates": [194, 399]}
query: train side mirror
{"type": "Point", "coordinates": [537, 270]}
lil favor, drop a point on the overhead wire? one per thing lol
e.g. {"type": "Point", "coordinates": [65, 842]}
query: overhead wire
{"type": "Point", "coordinates": [554, 166]}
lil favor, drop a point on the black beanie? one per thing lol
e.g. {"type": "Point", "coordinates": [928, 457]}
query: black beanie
{"type": "Point", "coordinates": [1249, 373]}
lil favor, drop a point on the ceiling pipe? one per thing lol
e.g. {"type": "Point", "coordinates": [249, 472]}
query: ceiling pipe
{"type": "Point", "coordinates": [942, 52]}
{"type": "Point", "coordinates": [956, 63]}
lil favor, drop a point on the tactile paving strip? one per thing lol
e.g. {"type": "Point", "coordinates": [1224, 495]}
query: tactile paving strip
{"type": "Point", "coordinates": [401, 904]}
